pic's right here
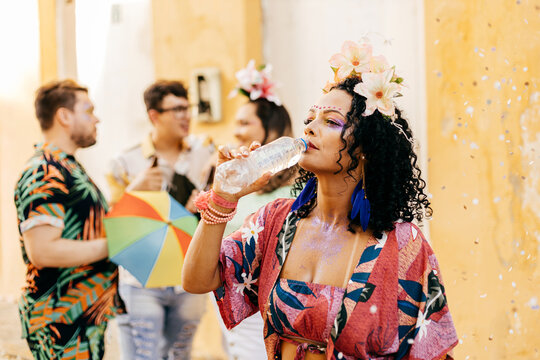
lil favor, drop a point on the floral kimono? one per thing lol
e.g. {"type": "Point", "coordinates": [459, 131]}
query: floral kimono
{"type": "Point", "coordinates": [394, 306]}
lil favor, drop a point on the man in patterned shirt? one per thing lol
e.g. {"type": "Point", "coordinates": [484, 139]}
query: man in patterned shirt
{"type": "Point", "coordinates": [71, 287]}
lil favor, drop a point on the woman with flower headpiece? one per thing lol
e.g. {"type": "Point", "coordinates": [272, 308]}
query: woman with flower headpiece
{"type": "Point", "coordinates": [341, 272]}
{"type": "Point", "coordinates": [262, 119]}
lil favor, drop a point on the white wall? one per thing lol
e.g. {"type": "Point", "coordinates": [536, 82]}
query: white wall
{"type": "Point", "coordinates": [115, 61]}
{"type": "Point", "coordinates": [301, 35]}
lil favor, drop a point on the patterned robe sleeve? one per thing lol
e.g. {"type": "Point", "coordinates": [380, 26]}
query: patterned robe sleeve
{"type": "Point", "coordinates": [40, 197]}
{"type": "Point", "coordinates": [426, 329]}
{"type": "Point", "coordinates": [240, 264]}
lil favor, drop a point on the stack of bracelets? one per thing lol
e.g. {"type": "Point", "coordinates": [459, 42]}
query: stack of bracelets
{"type": "Point", "coordinates": [211, 215]}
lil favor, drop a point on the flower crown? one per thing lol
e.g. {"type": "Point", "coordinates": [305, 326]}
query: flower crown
{"type": "Point", "coordinates": [256, 83]}
{"type": "Point", "coordinates": [379, 83]}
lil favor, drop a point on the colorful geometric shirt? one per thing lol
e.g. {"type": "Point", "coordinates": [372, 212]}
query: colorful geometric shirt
{"type": "Point", "coordinates": [54, 189]}
{"type": "Point", "coordinates": [393, 307]}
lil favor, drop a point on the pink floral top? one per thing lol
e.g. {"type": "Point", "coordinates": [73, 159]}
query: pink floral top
{"type": "Point", "coordinates": [304, 310]}
{"type": "Point", "coordinates": [394, 306]}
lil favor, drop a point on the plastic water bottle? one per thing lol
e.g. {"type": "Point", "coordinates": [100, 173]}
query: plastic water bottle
{"type": "Point", "coordinates": [234, 175]}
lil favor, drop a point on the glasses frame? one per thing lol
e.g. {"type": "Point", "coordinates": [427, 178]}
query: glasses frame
{"type": "Point", "coordinates": [179, 109]}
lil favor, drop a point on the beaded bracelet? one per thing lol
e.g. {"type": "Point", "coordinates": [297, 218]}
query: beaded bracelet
{"type": "Point", "coordinates": [208, 216]}
{"type": "Point", "coordinates": [201, 201]}
{"type": "Point", "coordinates": [218, 200]}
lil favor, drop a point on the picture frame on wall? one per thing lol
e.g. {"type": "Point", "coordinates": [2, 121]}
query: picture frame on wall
{"type": "Point", "coordinates": [205, 94]}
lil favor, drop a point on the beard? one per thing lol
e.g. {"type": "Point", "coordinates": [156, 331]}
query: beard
{"type": "Point", "coordinates": [82, 138]}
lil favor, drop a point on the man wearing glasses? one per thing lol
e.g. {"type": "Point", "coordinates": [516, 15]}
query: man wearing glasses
{"type": "Point", "coordinates": [161, 322]}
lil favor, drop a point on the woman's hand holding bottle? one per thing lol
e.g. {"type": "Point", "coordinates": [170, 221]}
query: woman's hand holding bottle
{"type": "Point", "coordinates": [226, 154]}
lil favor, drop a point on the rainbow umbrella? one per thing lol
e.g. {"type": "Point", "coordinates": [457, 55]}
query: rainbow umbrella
{"type": "Point", "coordinates": [148, 233]}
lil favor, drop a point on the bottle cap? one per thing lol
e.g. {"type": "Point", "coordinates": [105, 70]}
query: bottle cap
{"type": "Point", "coordinates": [305, 143]}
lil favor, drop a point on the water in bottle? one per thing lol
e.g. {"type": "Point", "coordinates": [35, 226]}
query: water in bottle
{"type": "Point", "coordinates": [234, 175]}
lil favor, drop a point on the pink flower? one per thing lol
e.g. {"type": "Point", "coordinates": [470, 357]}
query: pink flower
{"type": "Point", "coordinates": [256, 83]}
{"type": "Point", "coordinates": [249, 77]}
{"type": "Point", "coordinates": [378, 89]}
{"type": "Point", "coordinates": [378, 64]}
{"type": "Point", "coordinates": [353, 57]}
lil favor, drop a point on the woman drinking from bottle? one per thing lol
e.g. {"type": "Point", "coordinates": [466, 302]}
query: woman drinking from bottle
{"type": "Point", "coordinates": [262, 119]}
{"type": "Point", "coordinates": [340, 272]}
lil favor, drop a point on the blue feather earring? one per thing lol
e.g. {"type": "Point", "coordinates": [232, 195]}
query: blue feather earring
{"type": "Point", "coordinates": [308, 192]}
{"type": "Point", "coordinates": [361, 208]}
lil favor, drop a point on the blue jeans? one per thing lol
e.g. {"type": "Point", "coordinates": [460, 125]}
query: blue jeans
{"type": "Point", "coordinates": [160, 323]}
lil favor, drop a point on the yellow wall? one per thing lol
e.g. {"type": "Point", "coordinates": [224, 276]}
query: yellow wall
{"type": "Point", "coordinates": [483, 67]}
{"type": "Point", "coordinates": [35, 48]}
{"type": "Point", "coordinates": [191, 33]}
{"type": "Point", "coordinates": [47, 37]}
{"type": "Point", "coordinates": [213, 33]}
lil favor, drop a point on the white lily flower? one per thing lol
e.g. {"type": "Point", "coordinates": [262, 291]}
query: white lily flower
{"type": "Point", "coordinates": [252, 231]}
{"type": "Point", "coordinates": [378, 89]}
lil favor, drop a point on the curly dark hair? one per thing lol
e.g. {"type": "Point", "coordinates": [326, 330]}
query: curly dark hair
{"type": "Point", "coordinates": [394, 186]}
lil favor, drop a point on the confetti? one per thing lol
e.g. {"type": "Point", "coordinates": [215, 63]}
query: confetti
{"type": "Point", "coordinates": [525, 69]}
{"type": "Point", "coordinates": [513, 284]}
{"type": "Point", "coordinates": [496, 199]}
{"type": "Point", "coordinates": [500, 277]}
{"type": "Point", "coordinates": [483, 296]}
{"type": "Point", "coordinates": [511, 331]}
{"type": "Point", "coordinates": [476, 241]}
{"type": "Point", "coordinates": [470, 110]}
{"type": "Point", "coordinates": [475, 201]}
{"type": "Point", "coordinates": [533, 303]}
{"type": "Point", "coordinates": [485, 77]}
{"type": "Point", "coordinates": [436, 42]}
{"type": "Point", "coordinates": [474, 146]}
{"type": "Point", "coordinates": [497, 85]}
